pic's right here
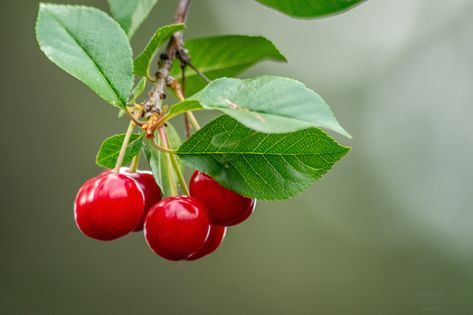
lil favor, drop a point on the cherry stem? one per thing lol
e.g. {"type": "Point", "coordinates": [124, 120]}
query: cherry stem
{"type": "Point", "coordinates": [180, 176]}
{"type": "Point", "coordinates": [174, 163]}
{"type": "Point", "coordinates": [193, 121]}
{"type": "Point", "coordinates": [169, 164]}
{"type": "Point", "coordinates": [174, 84]}
{"type": "Point", "coordinates": [161, 148]}
{"type": "Point", "coordinates": [134, 163]}
{"type": "Point", "coordinates": [126, 140]}
{"type": "Point", "coordinates": [135, 120]}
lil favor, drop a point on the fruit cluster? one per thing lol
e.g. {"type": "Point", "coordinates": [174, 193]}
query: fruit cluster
{"type": "Point", "coordinates": [112, 205]}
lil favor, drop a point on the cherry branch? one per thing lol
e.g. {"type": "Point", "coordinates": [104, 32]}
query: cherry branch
{"type": "Point", "coordinates": [174, 49]}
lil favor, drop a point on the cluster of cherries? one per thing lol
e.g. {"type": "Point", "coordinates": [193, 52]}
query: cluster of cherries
{"type": "Point", "coordinates": [112, 205]}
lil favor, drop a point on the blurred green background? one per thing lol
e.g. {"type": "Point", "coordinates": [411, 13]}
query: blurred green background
{"type": "Point", "coordinates": [387, 231]}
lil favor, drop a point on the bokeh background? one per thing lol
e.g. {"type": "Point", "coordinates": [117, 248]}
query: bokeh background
{"type": "Point", "coordinates": [388, 231]}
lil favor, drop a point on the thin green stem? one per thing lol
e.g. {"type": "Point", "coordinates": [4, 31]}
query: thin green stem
{"type": "Point", "coordinates": [180, 176]}
{"type": "Point", "coordinates": [126, 140]}
{"type": "Point", "coordinates": [169, 165]}
{"type": "Point", "coordinates": [193, 121]}
{"type": "Point", "coordinates": [161, 148]}
{"type": "Point", "coordinates": [135, 162]}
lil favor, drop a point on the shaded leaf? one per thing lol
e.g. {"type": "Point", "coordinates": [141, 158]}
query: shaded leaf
{"type": "Point", "coordinates": [224, 56]}
{"type": "Point", "coordinates": [310, 8]}
{"type": "Point", "coordinates": [143, 61]}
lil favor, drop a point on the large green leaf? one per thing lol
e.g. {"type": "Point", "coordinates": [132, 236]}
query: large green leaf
{"type": "Point", "coordinates": [268, 104]}
{"type": "Point", "coordinates": [157, 159]}
{"type": "Point", "coordinates": [108, 152]}
{"type": "Point", "coordinates": [257, 165]}
{"type": "Point", "coordinates": [131, 13]}
{"type": "Point", "coordinates": [224, 56]}
{"type": "Point", "coordinates": [89, 45]}
{"type": "Point", "coordinates": [143, 61]}
{"type": "Point", "coordinates": [310, 8]}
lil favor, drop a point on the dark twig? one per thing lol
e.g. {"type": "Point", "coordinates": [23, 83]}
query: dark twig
{"type": "Point", "coordinates": [174, 47]}
{"type": "Point", "coordinates": [187, 123]}
{"type": "Point", "coordinates": [199, 73]}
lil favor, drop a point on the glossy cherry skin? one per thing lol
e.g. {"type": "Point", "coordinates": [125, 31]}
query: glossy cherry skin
{"type": "Point", "coordinates": [108, 206]}
{"type": "Point", "coordinates": [215, 238]}
{"type": "Point", "coordinates": [177, 227]}
{"type": "Point", "coordinates": [150, 189]}
{"type": "Point", "coordinates": [148, 186]}
{"type": "Point", "coordinates": [225, 206]}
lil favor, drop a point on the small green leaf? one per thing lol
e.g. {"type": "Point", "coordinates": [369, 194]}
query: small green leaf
{"type": "Point", "coordinates": [131, 13]}
{"type": "Point", "coordinates": [257, 165]}
{"type": "Point", "coordinates": [310, 8]}
{"type": "Point", "coordinates": [157, 159]}
{"type": "Point", "coordinates": [143, 61]}
{"type": "Point", "coordinates": [182, 107]}
{"type": "Point", "coordinates": [224, 56]}
{"type": "Point", "coordinates": [89, 45]}
{"type": "Point", "coordinates": [268, 104]}
{"type": "Point", "coordinates": [138, 90]}
{"type": "Point", "coordinates": [108, 152]}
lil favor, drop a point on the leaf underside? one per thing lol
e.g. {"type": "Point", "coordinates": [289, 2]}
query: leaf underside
{"type": "Point", "coordinates": [268, 104]}
{"type": "Point", "coordinates": [257, 165]}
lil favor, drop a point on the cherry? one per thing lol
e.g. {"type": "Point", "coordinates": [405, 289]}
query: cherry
{"type": "Point", "coordinates": [215, 238]}
{"type": "Point", "coordinates": [225, 207]}
{"type": "Point", "coordinates": [108, 206]}
{"type": "Point", "coordinates": [177, 227]}
{"type": "Point", "coordinates": [148, 186]}
{"type": "Point", "coordinates": [151, 191]}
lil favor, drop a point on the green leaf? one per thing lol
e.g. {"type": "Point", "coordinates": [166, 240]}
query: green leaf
{"type": "Point", "coordinates": [131, 13]}
{"type": "Point", "coordinates": [267, 104]}
{"type": "Point", "coordinates": [182, 107]}
{"type": "Point", "coordinates": [143, 61]}
{"type": "Point", "coordinates": [138, 90]}
{"type": "Point", "coordinates": [89, 45]}
{"type": "Point", "coordinates": [157, 159]}
{"type": "Point", "coordinates": [257, 165]}
{"type": "Point", "coordinates": [310, 8]}
{"type": "Point", "coordinates": [108, 152]}
{"type": "Point", "coordinates": [224, 56]}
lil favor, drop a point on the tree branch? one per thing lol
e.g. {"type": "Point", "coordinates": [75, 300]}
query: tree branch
{"type": "Point", "coordinates": [174, 49]}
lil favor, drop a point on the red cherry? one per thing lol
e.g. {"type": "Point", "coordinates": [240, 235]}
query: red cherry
{"type": "Point", "coordinates": [215, 238]}
{"type": "Point", "coordinates": [225, 207]}
{"type": "Point", "coordinates": [151, 191]}
{"type": "Point", "coordinates": [177, 227]}
{"type": "Point", "coordinates": [148, 186]}
{"type": "Point", "coordinates": [108, 206]}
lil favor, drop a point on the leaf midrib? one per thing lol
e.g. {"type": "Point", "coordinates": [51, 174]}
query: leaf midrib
{"type": "Point", "coordinates": [258, 153]}
{"type": "Point", "coordinates": [99, 69]}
